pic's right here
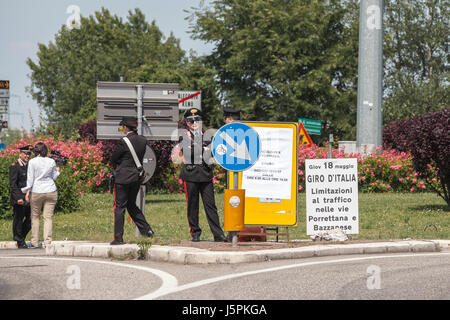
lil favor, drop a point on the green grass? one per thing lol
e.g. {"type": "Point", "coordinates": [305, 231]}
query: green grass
{"type": "Point", "coordinates": [381, 216]}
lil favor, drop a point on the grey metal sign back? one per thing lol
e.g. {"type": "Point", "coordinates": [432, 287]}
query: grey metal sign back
{"type": "Point", "coordinates": [159, 109]}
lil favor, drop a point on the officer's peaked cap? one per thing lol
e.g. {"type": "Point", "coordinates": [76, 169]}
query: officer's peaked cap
{"type": "Point", "coordinates": [228, 112]}
{"type": "Point", "coordinates": [192, 113]}
{"type": "Point", "coordinates": [26, 149]}
{"type": "Point", "coordinates": [130, 122]}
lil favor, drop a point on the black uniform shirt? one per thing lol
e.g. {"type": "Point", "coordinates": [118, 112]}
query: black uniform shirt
{"type": "Point", "coordinates": [122, 161]}
{"type": "Point", "coordinates": [17, 180]}
{"type": "Point", "coordinates": [194, 168]}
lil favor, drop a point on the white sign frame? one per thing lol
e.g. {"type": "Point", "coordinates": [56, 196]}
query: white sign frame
{"type": "Point", "coordinates": [331, 195]}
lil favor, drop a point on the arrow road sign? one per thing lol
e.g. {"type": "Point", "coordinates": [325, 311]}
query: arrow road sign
{"type": "Point", "coordinates": [236, 146]}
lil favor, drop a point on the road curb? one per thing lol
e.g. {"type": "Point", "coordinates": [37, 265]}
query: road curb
{"type": "Point", "coordinates": [183, 255]}
{"type": "Point", "coordinates": [191, 255]}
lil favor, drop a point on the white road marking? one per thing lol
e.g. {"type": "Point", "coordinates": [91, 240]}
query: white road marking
{"type": "Point", "coordinates": [168, 281]}
{"type": "Point", "coordinates": [166, 291]}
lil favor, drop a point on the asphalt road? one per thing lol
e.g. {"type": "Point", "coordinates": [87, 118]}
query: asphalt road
{"type": "Point", "coordinates": [30, 275]}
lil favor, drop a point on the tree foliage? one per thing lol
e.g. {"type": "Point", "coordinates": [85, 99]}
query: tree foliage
{"type": "Point", "coordinates": [427, 138]}
{"type": "Point", "coordinates": [283, 59]}
{"type": "Point", "coordinates": [104, 48]}
{"type": "Point", "coordinates": [416, 58]}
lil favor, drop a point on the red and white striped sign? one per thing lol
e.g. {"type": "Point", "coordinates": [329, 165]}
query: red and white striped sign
{"type": "Point", "coordinates": [189, 99]}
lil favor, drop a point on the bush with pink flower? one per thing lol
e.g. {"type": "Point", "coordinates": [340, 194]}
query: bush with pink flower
{"type": "Point", "coordinates": [382, 171]}
{"type": "Point", "coordinates": [84, 163]}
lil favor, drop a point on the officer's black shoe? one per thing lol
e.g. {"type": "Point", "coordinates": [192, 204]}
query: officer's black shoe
{"type": "Point", "coordinates": [150, 233]}
{"type": "Point", "coordinates": [116, 242]}
{"type": "Point", "coordinates": [195, 238]}
{"type": "Point", "coordinates": [221, 239]}
{"type": "Point", "coordinates": [22, 245]}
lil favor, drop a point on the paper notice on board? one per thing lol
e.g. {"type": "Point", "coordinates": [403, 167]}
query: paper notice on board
{"type": "Point", "coordinates": [271, 175]}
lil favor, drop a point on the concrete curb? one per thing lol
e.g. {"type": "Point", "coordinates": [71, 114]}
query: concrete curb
{"type": "Point", "coordinates": [183, 255]}
{"type": "Point", "coordinates": [89, 249]}
{"type": "Point", "coordinates": [190, 255]}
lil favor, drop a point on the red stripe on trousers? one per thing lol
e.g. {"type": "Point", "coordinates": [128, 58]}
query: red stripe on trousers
{"type": "Point", "coordinates": [187, 204]}
{"type": "Point", "coordinates": [114, 211]}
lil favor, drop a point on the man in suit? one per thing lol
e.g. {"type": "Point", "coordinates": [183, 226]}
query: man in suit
{"type": "Point", "coordinates": [126, 181]}
{"type": "Point", "coordinates": [21, 208]}
{"type": "Point", "coordinates": [197, 177]}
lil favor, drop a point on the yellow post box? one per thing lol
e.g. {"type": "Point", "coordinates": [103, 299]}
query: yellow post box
{"type": "Point", "coordinates": [234, 208]}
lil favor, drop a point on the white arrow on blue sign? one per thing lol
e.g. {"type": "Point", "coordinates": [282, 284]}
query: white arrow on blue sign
{"type": "Point", "coordinates": [236, 146]}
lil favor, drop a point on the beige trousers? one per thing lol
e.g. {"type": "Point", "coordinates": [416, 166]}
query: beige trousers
{"type": "Point", "coordinates": [37, 202]}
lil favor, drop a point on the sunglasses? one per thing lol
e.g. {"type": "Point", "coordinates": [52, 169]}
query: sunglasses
{"type": "Point", "coordinates": [193, 119]}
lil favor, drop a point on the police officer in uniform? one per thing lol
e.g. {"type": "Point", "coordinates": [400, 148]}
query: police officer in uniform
{"type": "Point", "coordinates": [231, 115]}
{"type": "Point", "coordinates": [197, 176]}
{"type": "Point", "coordinates": [21, 208]}
{"type": "Point", "coordinates": [126, 181]}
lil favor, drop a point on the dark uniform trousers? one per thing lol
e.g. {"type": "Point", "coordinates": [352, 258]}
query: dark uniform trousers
{"type": "Point", "coordinates": [21, 222]}
{"type": "Point", "coordinates": [22, 213]}
{"type": "Point", "coordinates": [206, 190]}
{"type": "Point", "coordinates": [125, 199]}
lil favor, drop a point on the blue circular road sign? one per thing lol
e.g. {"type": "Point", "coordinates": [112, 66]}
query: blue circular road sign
{"type": "Point", "coordinates": [236, 146]}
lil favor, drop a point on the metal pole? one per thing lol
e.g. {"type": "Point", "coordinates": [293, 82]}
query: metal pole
{"type": "Point", "coordinates": [370, 75]}
{"type": "Point", "coordinates": [140, 200]}
{"type": "Point", "coordinates": [330, 147]}
{"type": "Point", "coordinates": [234, 234]}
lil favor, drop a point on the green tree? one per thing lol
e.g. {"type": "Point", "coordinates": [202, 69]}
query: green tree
{"type": "Point", "coordinates": [283, 59]}
{"type": "Point", "coordinates": [416, 58]}
{"type": "Point", "coordinates": [104, 48]}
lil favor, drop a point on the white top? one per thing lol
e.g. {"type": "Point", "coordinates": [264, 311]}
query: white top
{"type": "Point", "coordinates": [41, 175]}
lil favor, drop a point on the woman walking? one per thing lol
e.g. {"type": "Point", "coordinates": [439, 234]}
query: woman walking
{"type": "Point", "coordinates": [41, 193]}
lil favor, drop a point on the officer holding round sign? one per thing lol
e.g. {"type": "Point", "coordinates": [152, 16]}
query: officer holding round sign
{"type": "Point", "coordinates": [197, 177]}
{"type": "Point", "coordinates": [127, 180]}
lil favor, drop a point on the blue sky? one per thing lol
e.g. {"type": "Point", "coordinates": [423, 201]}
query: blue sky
{"type": "Point", "coordinates": [25, 23]}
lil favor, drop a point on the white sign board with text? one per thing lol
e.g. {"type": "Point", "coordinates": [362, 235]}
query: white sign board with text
{"type": "Point", "coordinates": [271, 176]}
{"type": "Point", "coordinates": [331, 195]}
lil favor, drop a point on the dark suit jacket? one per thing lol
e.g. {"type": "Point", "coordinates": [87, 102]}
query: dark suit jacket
{"type": "Point", "coordinates": [17, 180]}
{"type": "Point", "coordinates": [122, 161]}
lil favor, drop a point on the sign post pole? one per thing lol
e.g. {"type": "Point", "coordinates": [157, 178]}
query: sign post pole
{"type": "Point", "coordinates": [4, 105]}
{"type": "Point", "coordinates": [234, 234]}
{"type": "Point", "coordinates": [141, 194]}
{"type": "Point", "coordinates": [235, 147]}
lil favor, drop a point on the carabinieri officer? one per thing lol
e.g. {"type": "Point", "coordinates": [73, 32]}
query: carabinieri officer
{"type": "Point", "coordinates": [197, 176]}
{"type": "Point", "coordinates": [126, 181]}
{"type": "Point", "coordinates": [21, 208]}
